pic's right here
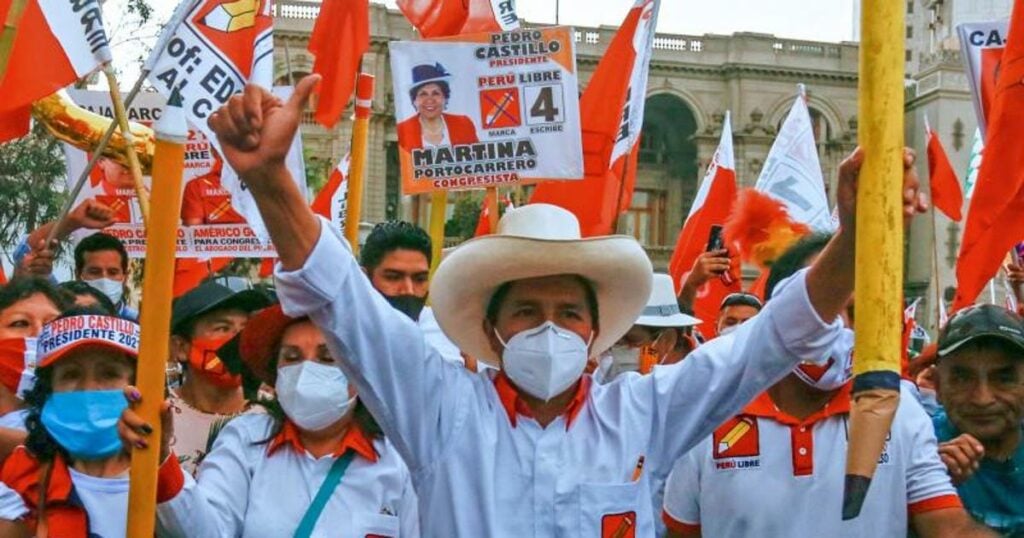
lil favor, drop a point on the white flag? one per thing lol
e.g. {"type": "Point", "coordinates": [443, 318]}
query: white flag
{"type": "Point", "coordinates": [792, 172]}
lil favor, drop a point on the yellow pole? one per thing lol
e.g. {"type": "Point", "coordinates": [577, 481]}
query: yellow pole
{"type": "Point", "coordinates": [357, 166]}
{"type": "Point", "coordinates": [155, 318]}
{"type": "Point", "coordinates": [879, 260]}
{"type": "Point", "coordinates": [133, 160]}
{"type": "Point", "coordinates": [492, 208]}
{"type": "Point", "coordinates": [438, 206]}
{"type": "Point", "coordinates": [14, 13]}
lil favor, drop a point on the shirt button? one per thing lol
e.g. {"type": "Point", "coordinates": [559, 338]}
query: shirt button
{"type": "Point", "coordinates": [802, 451]}
{"type": "Point", "coordinates": [803, 429]}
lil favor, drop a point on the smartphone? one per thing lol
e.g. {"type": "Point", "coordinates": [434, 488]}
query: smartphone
{"type": "Point", "coordinates": [715, 241]}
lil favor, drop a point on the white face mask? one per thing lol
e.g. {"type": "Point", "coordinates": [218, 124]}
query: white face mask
{"type": "Point", "coordinates": [313, 395]}
{"type": "Point", "coordinates": [546, 360]}
{"type": "Point", "coordinates": [624, 357]}
{"type": "Point", "coordinates": [113, 289]}
{"type": "Point", "coordinates": [837, 369]}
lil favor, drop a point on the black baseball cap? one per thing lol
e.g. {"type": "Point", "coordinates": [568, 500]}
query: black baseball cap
{"type": "Point", "coordinates": [742, 298]}
{"type": "Point", "coordinates": [981, 321]}
{"type": "Point", "coordinates": [216, 294]}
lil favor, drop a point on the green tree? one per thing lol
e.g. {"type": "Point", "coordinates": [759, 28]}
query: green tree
{"type": "Point", "coordinates": [32, 185]}
{"type": "Point", "coordinates": [465, 216]}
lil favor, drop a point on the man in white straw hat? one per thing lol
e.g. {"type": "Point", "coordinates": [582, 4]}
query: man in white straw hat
{"type": "Point", "coordinates": [532, 449]}
{"type": "Point", "coordinates": [659, 336]}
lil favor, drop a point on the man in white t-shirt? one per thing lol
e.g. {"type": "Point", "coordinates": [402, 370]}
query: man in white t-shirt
{"type": "Point", "coordinates": [778, 467]}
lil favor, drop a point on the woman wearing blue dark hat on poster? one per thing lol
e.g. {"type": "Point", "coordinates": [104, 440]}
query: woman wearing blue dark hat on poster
{"type": "Point", "coordinates": [431, 126]}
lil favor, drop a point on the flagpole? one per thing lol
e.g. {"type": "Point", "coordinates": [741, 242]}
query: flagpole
{"type": "Point", "coordinates": [155, 318]}
{"type": "Point", "coordinates": [357, 165]}
{"type": "Point", "coordinates": [14, 13]}
{"type": "Point", "coordinates": [622, 188]}
{"type": "Point", "coordinates": [936, 280]}
{"type": "Point", "coordinates": [133, 160]}
{"type": "Point", "coordinates": [172, 25]}
{"type": "Point", "coordinates": [492, 208]}
{"type": "Point", "coordinates": [879, 240]}
{"type": "Point", "coordinates": [438, 206]}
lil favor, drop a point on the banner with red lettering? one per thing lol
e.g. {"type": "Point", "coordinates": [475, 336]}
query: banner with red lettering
{"type": "Point", "coordinates": [482, 110]}
{"type": "Point", "coordinates": [210, 225]}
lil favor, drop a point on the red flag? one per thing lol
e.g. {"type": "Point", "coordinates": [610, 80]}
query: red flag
{"type": "Point", "coordinates": [611, 112]}
{"type": "Point", "coordinates": [711, 207]}
{"type": "Point", "coordinates": [993, 221]}
{"type": "Point", "coordinates": [340, 36]}
{"type": "Point", "coordinates": [947, 196]}
{"type": "Point", "coordinates": [440, 18]}
{"type": "Point", "coordinates": [189, 272]}
{"type": "Point", "coordinates": [72, 43]}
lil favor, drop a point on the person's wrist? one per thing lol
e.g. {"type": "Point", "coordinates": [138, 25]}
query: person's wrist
{"type": "Point", "coordinates": [269, 178]}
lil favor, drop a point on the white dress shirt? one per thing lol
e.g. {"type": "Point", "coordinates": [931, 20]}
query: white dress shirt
{"type": "Point", "coordinates": [479, 474]}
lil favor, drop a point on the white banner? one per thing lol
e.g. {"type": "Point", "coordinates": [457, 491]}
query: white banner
{"type": "Point", "coordinates": [981, 44]}
{"type": "Point", "coordinates": [78, 25]}
{"type": "Point", "coordinates": [633, 113]}
{"type": "Point", "coordinates": [210, 227]}
{"type": "Point", "coordinates": [481, 110]}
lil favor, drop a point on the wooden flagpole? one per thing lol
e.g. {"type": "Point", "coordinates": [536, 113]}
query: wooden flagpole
{"type": "Point", "coordinates": [879, 240]}
{"type": "Point", "coordinates": [492, 208]}
{"type": "Point", "coordinates": [133, 160]}
{"type": "Point", "coordinates": [10, 33]}
{"type": "Point", "coordinates": [357, 165]}
{"type": "Point", "coordinates": [155, 318]}
{"type": "Point", "coordinates": [438, 206]}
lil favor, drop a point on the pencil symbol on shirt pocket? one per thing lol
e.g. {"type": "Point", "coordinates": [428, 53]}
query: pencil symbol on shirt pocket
{"type": "Point", "coordinates": [619, 525]}
{"type": "Point", "coordinates": [737, 438]}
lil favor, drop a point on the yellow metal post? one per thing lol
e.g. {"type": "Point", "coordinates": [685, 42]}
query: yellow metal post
{"type": "Point", "coordinates": [879, 261]}
{"type": "Point", "coordinates": [357, 166]}
{"type": "Point", "coordinates": [10, 32]}
{"type": "Point", "coordinates": [155, 318]}
{"type": "Point", "coordinates": [438, 206]}
{"type": "Point", "coordinates": [492, 208]}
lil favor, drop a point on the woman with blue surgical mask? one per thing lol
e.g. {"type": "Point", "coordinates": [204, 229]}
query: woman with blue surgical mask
{"type": "Point", "coordinates": [315, 463]}
{"type": "Point", "coordinates": [71, 476]}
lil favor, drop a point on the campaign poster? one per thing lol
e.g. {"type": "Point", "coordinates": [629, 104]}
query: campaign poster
{"type": "Point", "coordinates": [483, 110]}
{"type": "Point", "coordinates": [210, 226]}
{"type": "Point", "coordinates": [982, 46]}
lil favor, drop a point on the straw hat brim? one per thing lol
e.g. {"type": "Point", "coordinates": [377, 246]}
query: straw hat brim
{"type": "Point", "coordinates": [617, 266]}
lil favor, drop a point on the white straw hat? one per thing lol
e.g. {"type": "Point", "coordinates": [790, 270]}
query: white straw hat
{"type": "Point", "coordinates": [532, 241]}
{"type": "Point", "coordinates": [662, 308]}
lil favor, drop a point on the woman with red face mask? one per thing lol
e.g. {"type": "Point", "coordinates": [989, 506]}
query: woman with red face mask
{"type": "Point", "coordinates": [201, 322]}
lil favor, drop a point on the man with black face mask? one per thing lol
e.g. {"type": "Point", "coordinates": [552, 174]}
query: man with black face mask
{"type": "Point", "coordinates": [396, 258]}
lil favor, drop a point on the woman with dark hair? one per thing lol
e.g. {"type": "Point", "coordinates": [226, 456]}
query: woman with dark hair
{"type": "Point", "coordinates": [70, 477]}
{"type": "Point", "coordinates": [87, 296]}
{"type": "Point", "coordinates": [316, 461]}
{"type": "Point", "coordinates": [431, 126]}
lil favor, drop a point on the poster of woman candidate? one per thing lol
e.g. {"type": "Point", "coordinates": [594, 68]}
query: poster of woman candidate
{"type": "Point", "coordinates": [482, 110]}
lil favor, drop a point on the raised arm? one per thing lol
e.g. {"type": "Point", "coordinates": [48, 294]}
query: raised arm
{"type": "Point", "coordinates": [412, 392]}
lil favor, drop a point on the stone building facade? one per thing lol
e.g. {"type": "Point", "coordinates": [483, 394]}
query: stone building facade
{"type": "Point", "coordinates": [693, 81]}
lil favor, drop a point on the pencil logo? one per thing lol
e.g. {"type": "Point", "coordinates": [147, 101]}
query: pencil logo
{"type": "Point", "coordinates": [736, 438]}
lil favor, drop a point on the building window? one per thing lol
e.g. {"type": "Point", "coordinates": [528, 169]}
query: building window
{"type": "Point", "coordinates": [645, 219]}
{"type": "Point", "coordinates": [909, 55]}
{"type": "Point", "coordinates": [910, 7]}
{"type": "Point", "coordinates": [910, 32]}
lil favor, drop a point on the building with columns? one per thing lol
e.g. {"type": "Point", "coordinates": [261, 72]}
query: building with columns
{"type": "Point", "coordinates": [693, 81]}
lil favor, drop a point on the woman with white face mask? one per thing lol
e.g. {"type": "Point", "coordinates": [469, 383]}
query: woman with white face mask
{"type": "Point", "coordinates": [315, 465]}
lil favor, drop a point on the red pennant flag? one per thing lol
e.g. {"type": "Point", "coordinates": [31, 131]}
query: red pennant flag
{"type": "Point", "coordinates": [611, 112]}
{"type": "Point", "coordinates": [947, 196]}
{"type": "Point", "coordinates": [711, 207]}
{"type": "Point", "coordinates": [340, 36]}
{"type": "Point", "coordinates": [440, 18]}
{"type": "Point", "coordinates": [73, 44]}
{"type": "Point", "coordinates": [189, 272]}
{"type": "Point", "coordinates": [993, 221]}
{"type": "Point", "coordinates": [483, 224]}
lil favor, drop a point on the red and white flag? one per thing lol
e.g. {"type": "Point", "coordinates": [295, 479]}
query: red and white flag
{"type": "Point", "coordinates": [18, 365]}
{"type": "Point", "coordinates": [340, 36]}
{"type": "Point", "coordinates": [612, 113]}
{"type": "Point", "coordinates": [57, 43]}
{"type": "Point", "coordinates": [792, 171]}
{"type": "Point", "coordinates": [332, 201]}
{"type": "Point", "coordinates": [947, 196]}
{"type": "Point", "coordinates": [711, 207]}
{"type": "Point", "coordinates": [483, 224]}
{"type": "Point", "coordinates": [440, 18]}
{"type": "Point", "coordinates": [982, 44]}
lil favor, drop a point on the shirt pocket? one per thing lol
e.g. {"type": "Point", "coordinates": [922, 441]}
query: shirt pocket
{"type": "Point", "coordinates": [611, 510]}
{"type": "Point", "coordinates": [375, 526]}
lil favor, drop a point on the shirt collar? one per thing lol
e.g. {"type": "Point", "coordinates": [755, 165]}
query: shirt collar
{"type": "Point", "coordinates": [763, 406]}
{"type": "Point", "coordinates": [355, 439]}
{"type": "Point", "coordinates": [514, 405]}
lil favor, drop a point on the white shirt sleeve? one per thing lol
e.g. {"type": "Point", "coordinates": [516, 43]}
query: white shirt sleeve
{"type": "Point", "coordinates": [682, 490]}
{"type": "Point", "coordinates": [693, 397]}
{"type": "Point", "coordinates": [927, 478]}
{"type": "Point", "coordinates": [217, 505]}
{"type": "Point", "coordinates": [12, 506]}
{"type": "Point", "coordinates": [417, 397]}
